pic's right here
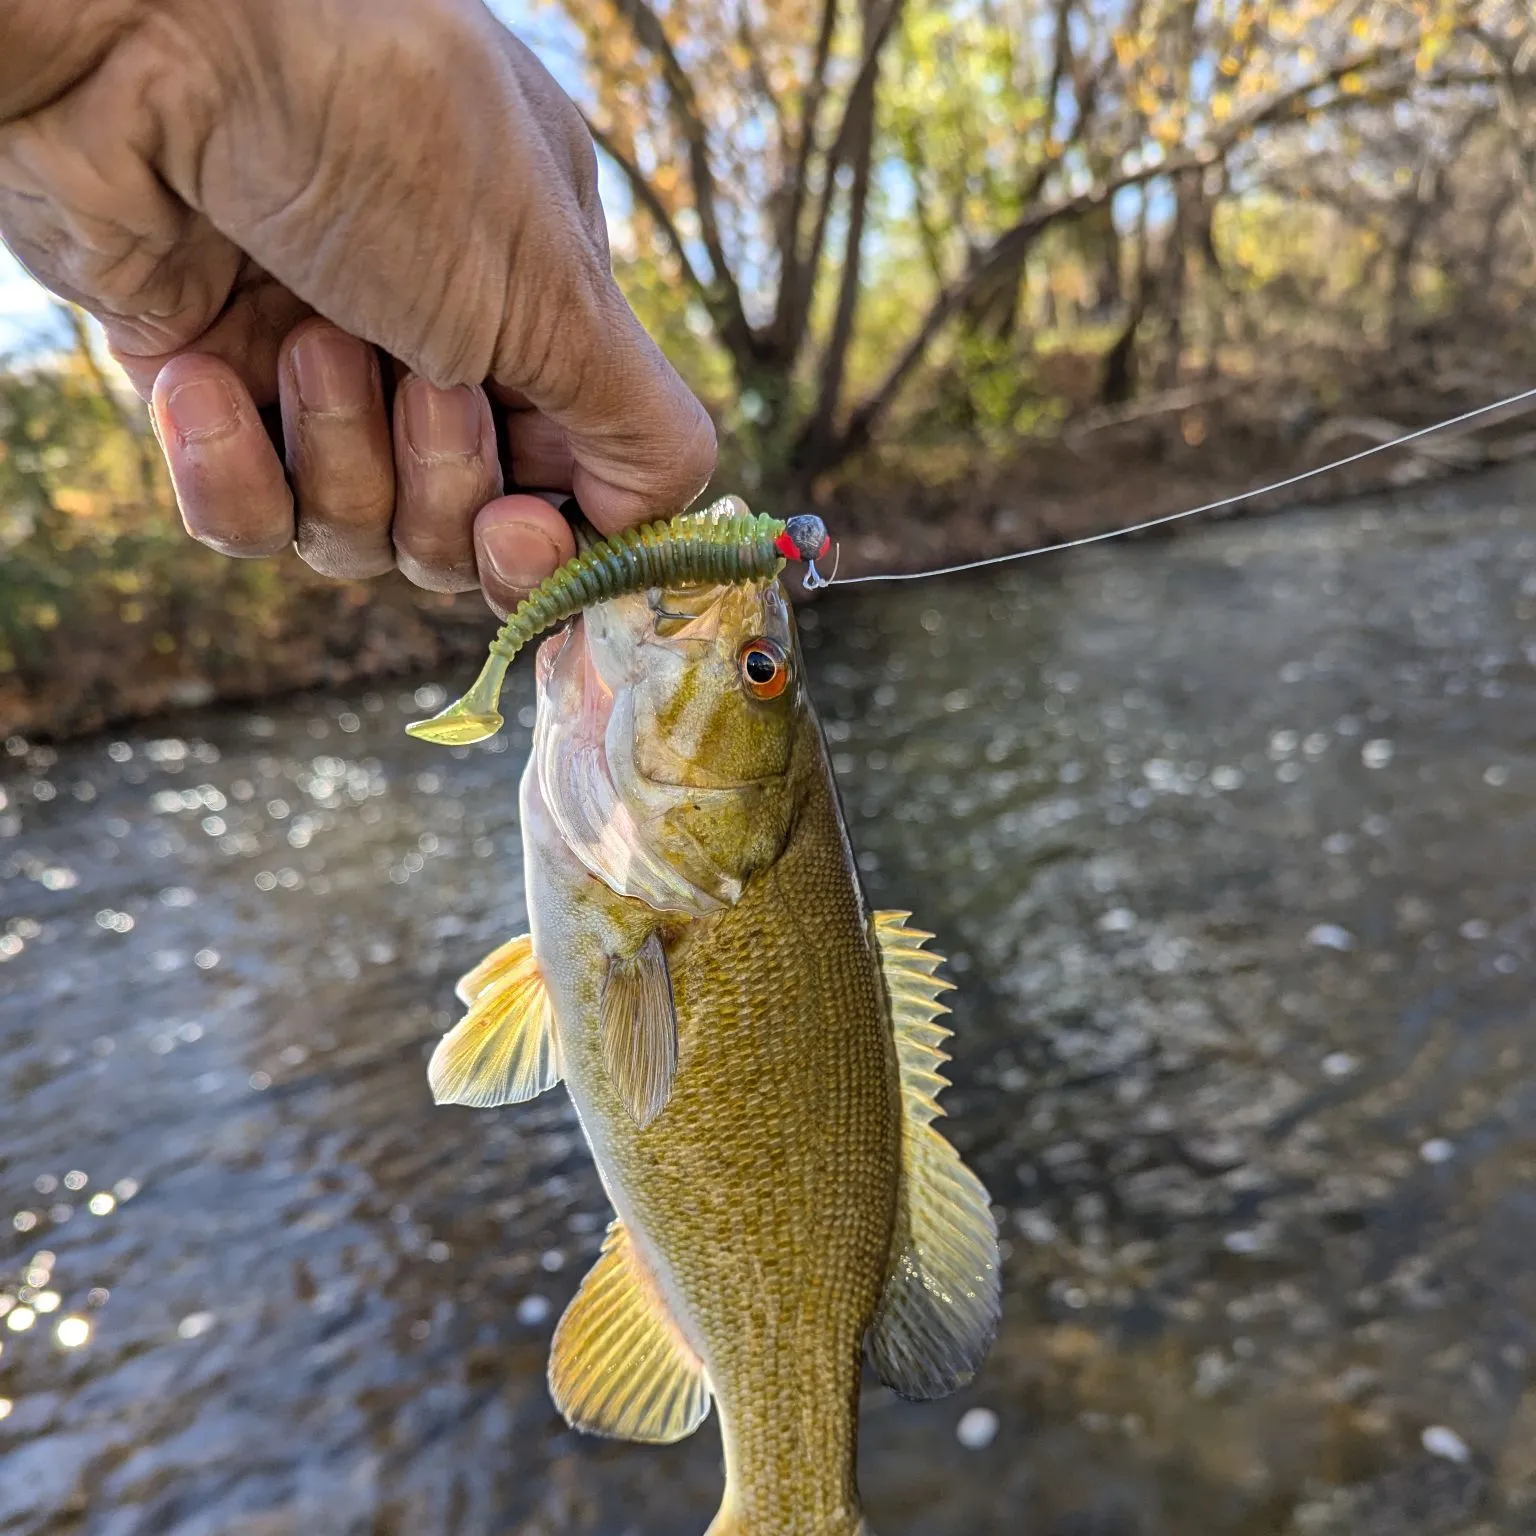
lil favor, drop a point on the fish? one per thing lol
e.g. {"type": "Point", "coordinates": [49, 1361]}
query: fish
{"type": "Point", "coordinates": [754, 1056]}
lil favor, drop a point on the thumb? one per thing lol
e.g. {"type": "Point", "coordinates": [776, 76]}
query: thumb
{"type": "Point", "coordinates": [571, 347]}
{"type": "Point", "coordinates": [642, 446]}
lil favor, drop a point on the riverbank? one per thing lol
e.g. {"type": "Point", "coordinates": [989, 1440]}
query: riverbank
{"type": "Point", "coordinates": [153, 623]}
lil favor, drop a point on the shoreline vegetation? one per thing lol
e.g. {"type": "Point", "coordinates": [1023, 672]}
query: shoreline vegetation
{"type": "Point", "coordinates": [964, 279]}
{"type": "Point", "coordinates": [110, 614]}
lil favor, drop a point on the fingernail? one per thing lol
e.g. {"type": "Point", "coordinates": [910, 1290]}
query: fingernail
{"type": "Point", "coordinates": [519, 556]}
{"type": "Point", "coordinates": [200, 409]}
{"type": "Point", "coordinates": [334, 372]}
{"type": "Point", "coordinates": [442, 423]}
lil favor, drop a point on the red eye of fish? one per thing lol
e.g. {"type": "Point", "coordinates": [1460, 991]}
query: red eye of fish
{"type": "Point", "coordinates": [764, 668]}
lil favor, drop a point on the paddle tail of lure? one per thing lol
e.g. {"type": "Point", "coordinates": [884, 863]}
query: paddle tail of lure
{"type": "Point", "coordinates": [725, 542]}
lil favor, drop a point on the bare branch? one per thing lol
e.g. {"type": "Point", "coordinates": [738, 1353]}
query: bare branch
{"type": "Point", "coordinates": [750, 46]}
{"type": "Point", "coordinates": [1009, 250]}
{"type": "Point", "coordinates": [648, 198]}
{"type": "Point", "coordinates": [1060, 59]}
{"type": "Point", "coordinates": [787, 320]}
{"type": "Point", "coordinates": [861, 113]}
{"type": "Point", "coordinates": [736, 331]}
{"type": "Point", "coordinates": [932, 240]}
{"type": "Point", "coordinates": [875, 40]}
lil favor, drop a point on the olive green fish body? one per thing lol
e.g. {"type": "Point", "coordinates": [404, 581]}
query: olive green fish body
{"type": "Point", "coordinates": [752, 1052]}
{"type": "Point", "coordinates": [763, 1197]}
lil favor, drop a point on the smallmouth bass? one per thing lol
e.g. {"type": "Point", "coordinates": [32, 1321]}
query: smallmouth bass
{"type": "Point", "coordinates": [753, 1055]}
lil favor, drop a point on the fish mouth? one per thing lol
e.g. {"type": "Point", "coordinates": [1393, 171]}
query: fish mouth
{"type": "Point", "coordinates": [691, 776]}
{"type": "Point", "coordinates": [570, 684]}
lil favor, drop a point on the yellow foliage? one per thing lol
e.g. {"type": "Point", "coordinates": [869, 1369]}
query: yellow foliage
{"type": "Point", "coordinates": [83, 503]}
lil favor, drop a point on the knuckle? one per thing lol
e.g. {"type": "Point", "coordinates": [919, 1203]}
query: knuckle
{"type": "Point", "coordinates": [346, 554]}
{"type": "Point", "coordinates": [455, 328]}
{"type": "Point", "coordinates": [699, 450]}
{"type": "Point", "coordinates": [690, 452]}
{"type": "Point", "coordinates": [445, 572]}
{"type": "Point", "coordinates": [583, 153]}
{"type": "Point", "coordinates": [433, 549]}
{"type": "Point", "coordinates": [243, 543]}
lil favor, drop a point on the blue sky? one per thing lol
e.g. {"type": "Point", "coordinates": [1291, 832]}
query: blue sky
{"type": "Point", "coordinates": [26, 311]}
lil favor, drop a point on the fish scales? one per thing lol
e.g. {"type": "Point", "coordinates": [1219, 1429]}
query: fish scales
{"type": "Point", "coordinates": [752, 1054]}
{"type": "Point", "coordinates": [763, 1199]}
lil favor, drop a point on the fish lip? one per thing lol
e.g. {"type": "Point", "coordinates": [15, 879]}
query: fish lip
{"type": "Point", "coordinates": [708, 783]}
{"type": "Point", "coordinates": [549, 650]}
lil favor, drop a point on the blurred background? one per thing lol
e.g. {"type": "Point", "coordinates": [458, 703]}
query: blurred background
{"type": "Point", "coordinates": [968, 276]}
{"type": "Point", "coordinates": [1228, 836]}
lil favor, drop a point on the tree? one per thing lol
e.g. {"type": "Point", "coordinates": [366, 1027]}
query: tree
{"type": "Point", "coordinates": [790, 159]}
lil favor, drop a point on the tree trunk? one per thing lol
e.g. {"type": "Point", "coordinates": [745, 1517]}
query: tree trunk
{"type": "Point", "coordinates": [815, 445]}
{"type": "Point", "coordinates": [1119, 379]}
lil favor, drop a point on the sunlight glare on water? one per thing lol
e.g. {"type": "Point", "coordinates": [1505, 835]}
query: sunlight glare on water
{"type": "Point", "coordinates": [1228, 841]}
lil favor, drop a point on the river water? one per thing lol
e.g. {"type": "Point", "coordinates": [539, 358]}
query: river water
{"type": "Point", "coordinates": [1230, 841]}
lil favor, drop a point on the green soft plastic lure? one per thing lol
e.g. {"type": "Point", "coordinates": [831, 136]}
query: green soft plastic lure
{"type": "Point", "coordinates": [724, 542]}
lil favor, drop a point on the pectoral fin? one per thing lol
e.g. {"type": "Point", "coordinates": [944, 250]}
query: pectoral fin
{"type": "Point", "coordinates": [504, 1050]}
{"type": "Point", "coordinates": [503, 962]}
{"type": "Point", "coordinates": [940, 1310]}
{"type": "Point", "coordinates": [639, 1030]}
{"type": "Point", "coordinates": [619, 1365]}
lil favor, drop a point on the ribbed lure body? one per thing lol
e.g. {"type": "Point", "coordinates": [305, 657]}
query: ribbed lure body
{"type": "Point", "coordinates": [724, 543]}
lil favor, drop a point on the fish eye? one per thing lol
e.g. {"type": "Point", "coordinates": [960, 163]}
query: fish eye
{"type": "Point", "coordinates": [764, 667]}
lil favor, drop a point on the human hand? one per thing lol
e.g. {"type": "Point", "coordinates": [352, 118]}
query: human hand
{"type": "Point", "coordinates": [378, 216]}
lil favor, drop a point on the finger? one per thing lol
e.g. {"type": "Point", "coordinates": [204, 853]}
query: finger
{"type": "Point", "coordinates": [336, 435]}
{"type": "Point", "coordinates": [538, 451]}
{"type": "Point", "coordinates": [248, 333]}
{"type": "Point", "coordinates": [641, 443]}
{"type": "Point", "coordinates": [229, 483]}
{"type": "Point", "coordinates": [519, 540]}
{"type": "Point", "coordinates": [446, 469]}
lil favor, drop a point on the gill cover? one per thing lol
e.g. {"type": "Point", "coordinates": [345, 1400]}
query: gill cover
{"type": "Point", "coordinates": [663, 773]}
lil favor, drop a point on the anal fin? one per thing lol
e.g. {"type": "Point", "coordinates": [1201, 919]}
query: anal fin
{"type": "Point", "coordinates": [619, 1366]}
{"type": "Point", "coordinates": [940, 1309]}
{"type": "Point", "coordinates": [504, 1050]}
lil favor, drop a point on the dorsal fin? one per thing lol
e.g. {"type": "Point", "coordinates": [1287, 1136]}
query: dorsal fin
{"type": "Point", "coordinates": [504, 1050]}
{"type": "Point", "coordinates": [619, 1366]}
{"type": "Point", "coordinates": [940, 1310]}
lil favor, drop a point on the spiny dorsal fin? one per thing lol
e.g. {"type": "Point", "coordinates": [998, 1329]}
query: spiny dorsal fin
{"type": "Point", "coordinates": [619, 1366]}
{"type": "Point", "coordinates": [504, 1050]}
{"type": "Point", "coordinates": [941, 1305]}
{"type": "Point", "coordinates": [639, 1030]}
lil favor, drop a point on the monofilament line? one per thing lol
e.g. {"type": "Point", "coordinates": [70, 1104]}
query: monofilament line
{"type": "Point", "coordinates": [1210, 506]}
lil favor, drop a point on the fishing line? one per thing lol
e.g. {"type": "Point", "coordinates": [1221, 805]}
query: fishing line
{"type": "Point", "coordinates": [813, 579]}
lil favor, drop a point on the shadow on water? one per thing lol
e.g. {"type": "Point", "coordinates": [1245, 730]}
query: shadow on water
{"type": "Point", "coordinates": [1228, 840]}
